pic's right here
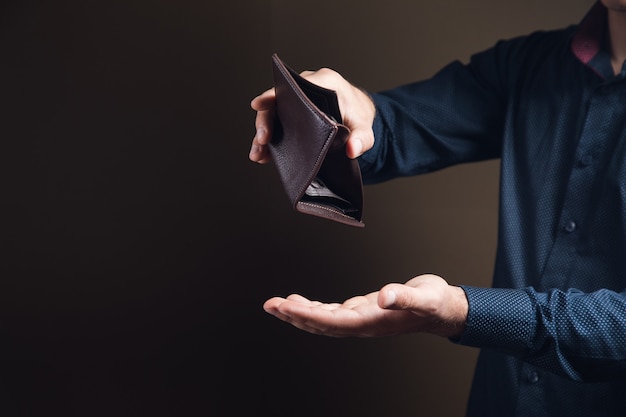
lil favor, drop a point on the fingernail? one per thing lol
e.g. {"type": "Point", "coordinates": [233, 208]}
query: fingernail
{"type": "Point", "coordinates": [390, 299]}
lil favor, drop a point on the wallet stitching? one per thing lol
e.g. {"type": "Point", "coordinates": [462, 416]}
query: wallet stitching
{"type": "Point", "coordinates": [319, 114]}
{"type": "Point", "coordinates": [288, 75]}
{"type": "Point", "coordinates": [327, 209]}
{"type": "Point", "coordinates": [307, 101]}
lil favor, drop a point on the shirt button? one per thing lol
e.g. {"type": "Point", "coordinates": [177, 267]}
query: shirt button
{"type": "Point", "coordinates": [570, 226]}
{"type": "Point", "coordinates": [586, 160]}
{"type": "Point", "coordinates": [533, 377]}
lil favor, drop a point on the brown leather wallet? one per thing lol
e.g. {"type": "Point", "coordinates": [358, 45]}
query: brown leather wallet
{"type": "Point", "coordinates": [308, 150]}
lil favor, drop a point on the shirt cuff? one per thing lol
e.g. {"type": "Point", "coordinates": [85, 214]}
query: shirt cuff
{"type": "Point", "coordinates": [499, 318]}
{"type": "Point", "coordinates": [368, 160]}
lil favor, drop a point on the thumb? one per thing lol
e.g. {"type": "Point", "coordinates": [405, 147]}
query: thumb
{"type": "Point", "coordinates": [360, 140]}
{"type": "Point", "coordinates": [396, 297]}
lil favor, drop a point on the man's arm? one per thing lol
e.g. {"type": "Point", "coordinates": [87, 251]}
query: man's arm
{"type": "Point", "coordinates": [579, 335]}
{"type": "Point", "coordinates": [426, 303]}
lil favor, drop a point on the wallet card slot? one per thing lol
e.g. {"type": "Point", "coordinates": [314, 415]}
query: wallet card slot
{"type": "Point", "coordinates": [324, 99]}
{"type": "Point", "coordinates": [317, 192]}
{"type": "Point", "coordinates": [308, 148]}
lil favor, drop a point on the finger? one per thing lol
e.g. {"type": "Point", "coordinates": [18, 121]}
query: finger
{"type": "Point", "coordinates": [313, 303]}
{"type": "Point", "coordinates": [299, 298]}
{"type": "Point", "coordinates": [359, 140]}
{"type": "Point", "coordinates": [314, 319]}
{"type": "Point", "coordinates": [424, 300]}
{"type": "Point", "coordinates": [271, 305]}
{"type": "Point", "coordinates": [400, 297]}
{"type": "Point", "coordinates": [276, 307]}
{"type": "Point", "coordinates": [263, 123]}
{"type": "Point", "coordinates": [359, 118]}
{"type": "Point", "coordinates": [264, 101]}
{"type": "Point", "coordinates": [259, 150]}
{"type": "Point", "coordinates": [259, 153]}
{"type": "Point", "coordinates": [264, 106]}
{"type": "Point", "coordinates": [356, 301]}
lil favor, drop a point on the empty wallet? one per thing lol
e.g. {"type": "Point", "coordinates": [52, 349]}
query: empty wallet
{"type": "Point", "coordinates": [308, 150]}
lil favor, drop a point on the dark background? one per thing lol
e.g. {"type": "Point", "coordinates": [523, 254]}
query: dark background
{"type": "Point", "coordinates": [139, 243]}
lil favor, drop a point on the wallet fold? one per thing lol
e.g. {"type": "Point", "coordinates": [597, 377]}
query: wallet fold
{"type": "Point", "coordinates": [308, 150]}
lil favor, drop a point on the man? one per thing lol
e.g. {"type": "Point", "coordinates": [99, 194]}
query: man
{"type": "Point", "coordinates": [551, 105]}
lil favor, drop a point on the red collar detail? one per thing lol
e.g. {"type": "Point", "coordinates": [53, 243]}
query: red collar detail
{"type": "Point", "coordinates": [588, 38]}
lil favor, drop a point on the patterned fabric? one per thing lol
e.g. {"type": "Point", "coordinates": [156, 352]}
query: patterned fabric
{"type": "Point", "coordinates": [552, 330]}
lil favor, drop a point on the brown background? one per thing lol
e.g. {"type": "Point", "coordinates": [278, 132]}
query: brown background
{"type": "Point", "coordinates": [139, 242]}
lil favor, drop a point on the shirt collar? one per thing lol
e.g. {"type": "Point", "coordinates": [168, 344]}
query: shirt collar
{"type": "Point", "coordinates": [588, 39]}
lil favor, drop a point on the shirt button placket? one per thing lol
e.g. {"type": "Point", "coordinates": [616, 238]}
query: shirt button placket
{"type": "Point", "coordinates": [533, 377]}
{"type": "Point", "coordinates": [585, 161]}
{"type": "Point", "coordinates": [570, 226]}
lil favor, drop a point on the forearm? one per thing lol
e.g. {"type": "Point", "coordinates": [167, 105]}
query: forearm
{"type": "Point", "coordinates": [578, 335]}
{"type": "Point", "coordinates": [425, 126]}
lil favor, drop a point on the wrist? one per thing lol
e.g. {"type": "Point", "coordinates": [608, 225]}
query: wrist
{"type": "Point", "coordinates": [454, 316]}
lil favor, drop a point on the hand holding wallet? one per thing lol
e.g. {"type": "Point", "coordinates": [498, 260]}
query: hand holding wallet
{"type": "Point", "coordinates": [308, 150]}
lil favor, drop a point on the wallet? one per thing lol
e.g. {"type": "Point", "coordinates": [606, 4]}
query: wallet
{"type": "Point", "coordinates": [308, 150]}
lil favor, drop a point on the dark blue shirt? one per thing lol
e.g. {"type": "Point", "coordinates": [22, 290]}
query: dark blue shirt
{"type": "Point", "coordinates": [552, 330]}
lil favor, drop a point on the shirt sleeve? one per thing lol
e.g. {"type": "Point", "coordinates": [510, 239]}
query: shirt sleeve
{"type": "Point", "coordinates": [575, 334]}
{"type": "Point", "coordinates": [454, 117]}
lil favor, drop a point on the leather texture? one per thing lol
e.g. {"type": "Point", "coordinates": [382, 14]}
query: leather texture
{"type": "Point", "coordinates": [308, 150]}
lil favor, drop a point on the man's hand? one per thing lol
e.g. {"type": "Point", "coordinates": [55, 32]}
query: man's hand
{"type": "Point", "coordinates": [424, 304]}
{"type": "Point", "coordinates": [357, 112]}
